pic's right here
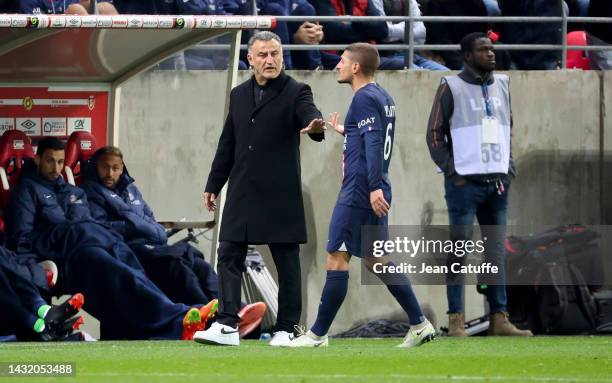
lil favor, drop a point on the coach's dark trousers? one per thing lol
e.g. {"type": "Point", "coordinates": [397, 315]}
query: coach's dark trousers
{"type": "Point", "coordinates": [230, 267]}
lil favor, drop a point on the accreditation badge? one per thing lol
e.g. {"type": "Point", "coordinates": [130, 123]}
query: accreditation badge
{"type": "Point", "coordinates": [490, 130]}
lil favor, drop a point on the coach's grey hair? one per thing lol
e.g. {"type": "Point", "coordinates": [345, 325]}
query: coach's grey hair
{"type": "Point", "coordinates": [263, 36]}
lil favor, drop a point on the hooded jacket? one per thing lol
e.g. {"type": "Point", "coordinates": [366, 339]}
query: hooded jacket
{"type": "Point", "coordinates": [38, 206]}
{"type": "Point", "coordinates": [122, 208]}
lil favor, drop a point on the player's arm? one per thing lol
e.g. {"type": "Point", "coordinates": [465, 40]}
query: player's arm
{"type": "Point", "coordinates": [438, 130]}
{"type": "Point", "coordinates": [311, 119]}
{"type": "Point", "coordinates": [20, 217]}
{"type": "Point", "coordinates": [374, 145]}
{"type": "Point", "coordinates": [100, 212]}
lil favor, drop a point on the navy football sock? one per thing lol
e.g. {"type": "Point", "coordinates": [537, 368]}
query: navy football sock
{"type": "Point", "coordinates": [336, 285]}
{"type": "Point", "coordinates": [399, 286]}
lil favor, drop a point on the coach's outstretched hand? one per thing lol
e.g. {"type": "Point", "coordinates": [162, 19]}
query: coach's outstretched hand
{"type": "Point", "coordinates": [379, 204]}
{"type": "Point", "coordinates": [316, 126]}
{"type": "Point", "coordinates": [333, 122]}
{"type": "Point", "coordinates": [209, 201]}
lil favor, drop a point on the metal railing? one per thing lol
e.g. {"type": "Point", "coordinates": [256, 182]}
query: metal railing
{"type": "Point", "coordinates": [409, 46]}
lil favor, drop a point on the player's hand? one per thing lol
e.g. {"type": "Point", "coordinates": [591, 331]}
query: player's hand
{"type": "Point", "coordinates": [379, 204]}
{"type": "Point", "coordinates": [333, 122]}
{"type": "Point", "coordinates": [209, 201]}
{"type": "Point", "coordinates": [308, 33]}
{"type": "Point", "coordinates": [316, 126]}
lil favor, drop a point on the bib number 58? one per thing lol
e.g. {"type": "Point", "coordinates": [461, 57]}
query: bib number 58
{"type": "Point", "coordinates": [491, 152]}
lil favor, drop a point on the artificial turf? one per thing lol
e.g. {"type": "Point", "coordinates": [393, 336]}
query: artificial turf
{"type": "Point", "coordinates": [477, 359]}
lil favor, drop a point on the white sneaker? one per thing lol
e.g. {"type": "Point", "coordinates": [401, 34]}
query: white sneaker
{"type": "Point", "coordinates": [218, 334]}
{"type": "Point", "coordinates": [309, 340]}
{"type": "Point", "coordinates": [416, 337]}
{"type": "Point", "coordinates": [281, 339]}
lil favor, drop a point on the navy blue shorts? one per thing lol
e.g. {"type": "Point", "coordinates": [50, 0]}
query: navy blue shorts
{"type": "Point", "coordinates": [345, 229]}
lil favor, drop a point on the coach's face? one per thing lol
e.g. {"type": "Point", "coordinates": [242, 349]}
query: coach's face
{"type": "Point", "coordinates": [50, 164]}
{"type": "Point", "coordinates": [110, 168]}
{"type": "Point", "coordinates": [346, 69]}
{"type": "Point", "coordinates": [266, 60]}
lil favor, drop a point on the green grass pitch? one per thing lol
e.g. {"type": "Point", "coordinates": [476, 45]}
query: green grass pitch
{"type": "Point", "coordinates": [481, 359]}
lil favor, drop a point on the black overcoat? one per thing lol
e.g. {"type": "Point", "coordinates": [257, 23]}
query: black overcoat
{"type": "Point", "coordinates": [259, 152]}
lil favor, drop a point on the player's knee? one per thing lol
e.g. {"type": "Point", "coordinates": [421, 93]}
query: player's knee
{"type": "Point", "coordinates": [105, 8]}
{"type": "Point", "coordinates": [76, 9]}
{"type": "Point", "coordinates": [338, 261]}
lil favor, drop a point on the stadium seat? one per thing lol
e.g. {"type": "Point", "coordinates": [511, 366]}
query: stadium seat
{"type": "Point", "coordinates": [577, 59]}
{"type": "Point", "coordinates": [15, 147]}
{"type": "Point", "coordinates": [79, 149]}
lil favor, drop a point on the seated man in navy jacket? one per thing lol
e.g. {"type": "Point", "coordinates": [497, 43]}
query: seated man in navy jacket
{"type": "Point", "coordinates": [50, 218]}
{"type": "Point", "coordinates": [179, 270]}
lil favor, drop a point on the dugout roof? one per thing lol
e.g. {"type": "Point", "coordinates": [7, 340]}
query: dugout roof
{"type": "Point", "coordinates": [101, 49]}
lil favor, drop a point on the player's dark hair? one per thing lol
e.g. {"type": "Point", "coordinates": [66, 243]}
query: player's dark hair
{"type": "Point", "coordinates": [467, 42]}
{"type": "Point", "coordinates": [366, 55]}
{"type": "Point", "coordinates": [49, 143]}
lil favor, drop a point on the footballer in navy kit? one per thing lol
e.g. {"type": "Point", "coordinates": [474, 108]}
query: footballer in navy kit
{"type": "Point", "coordinates": [368, 143]}
{"type": "Point", "coordinates": [364, 198]}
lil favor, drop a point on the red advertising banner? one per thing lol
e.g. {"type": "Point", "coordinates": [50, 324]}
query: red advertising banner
{"type": "Point", "coordinates": [41, 112]}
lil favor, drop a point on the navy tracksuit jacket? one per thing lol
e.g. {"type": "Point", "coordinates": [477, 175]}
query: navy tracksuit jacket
{"type": "Point", "coordinates": [52, 219]}
{"type": "Point", "coordinates": [178, 270]}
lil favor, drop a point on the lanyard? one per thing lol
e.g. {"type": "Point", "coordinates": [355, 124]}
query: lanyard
{"type": "Point", "coordinates": [485, 94]}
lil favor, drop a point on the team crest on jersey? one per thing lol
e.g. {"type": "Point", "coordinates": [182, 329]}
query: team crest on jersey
{"type": "Point", "coordinates": [91, 103]}
{"type": "Point", "coordinates": [75, 200]}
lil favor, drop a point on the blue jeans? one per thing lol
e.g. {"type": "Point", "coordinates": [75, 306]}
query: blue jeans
{"type": "Point", "coordinates": [583, 8]}
{"type": "Point", "coordinates": [492, 7]}
{"type": "Point", "coordinates": [480, 200]}
{"type": "Point", "coordinates": [427, 64]}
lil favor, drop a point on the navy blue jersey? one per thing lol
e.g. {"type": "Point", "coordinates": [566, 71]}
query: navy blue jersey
{"type": "Point", "coordinates": [368, 143]}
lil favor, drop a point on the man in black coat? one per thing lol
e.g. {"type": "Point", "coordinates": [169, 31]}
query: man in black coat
{"type": "Point", "coordinates": [259, 153]}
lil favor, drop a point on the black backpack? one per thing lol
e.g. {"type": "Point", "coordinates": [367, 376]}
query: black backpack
{"type": "Point", "coordinates": [565, 303]}
{"type": "Point", "coordinates": [555, 274]}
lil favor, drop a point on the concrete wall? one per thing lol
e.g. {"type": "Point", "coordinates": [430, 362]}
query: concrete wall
{"type": "Point", "coordinates": [170, 123]}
